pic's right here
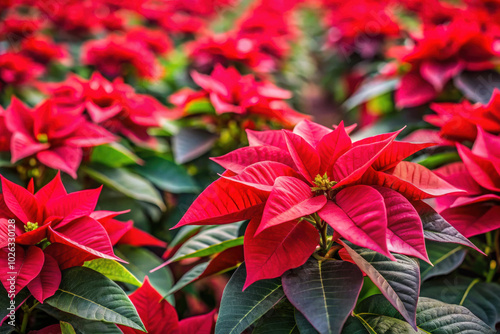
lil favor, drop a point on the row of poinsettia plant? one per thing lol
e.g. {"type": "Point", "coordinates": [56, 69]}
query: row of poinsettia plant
{"type": "Point", "coordinates": [309, 228]}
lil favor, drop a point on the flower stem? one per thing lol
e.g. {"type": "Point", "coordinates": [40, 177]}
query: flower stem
{"type": "Point", "coordinates": [26, 315]}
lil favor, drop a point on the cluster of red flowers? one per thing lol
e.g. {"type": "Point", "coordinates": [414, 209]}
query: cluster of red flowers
{"type": "Point", "coordinates": [79, 114]}
{"type": "Point", "coordinates": [231, 92]}
{"type": "Point", "coordinates": [260, 40]}
{"type": "Point", "coordinates": [55, 230]}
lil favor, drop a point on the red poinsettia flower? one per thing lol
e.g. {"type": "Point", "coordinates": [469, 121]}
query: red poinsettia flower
{"type": "Point", "coordinates": [156, 41]}
{"type": "Point", "coordinates": [478, 211]}
{"type": "Point", "coordinates": [47, 222]}
{"type": "Point", "coordinates": [228, 48]}
{"type": "Point", "coordinates": [4, 133]}
{"type": "Point", "coordinates": [16, 69]}
{"type": "Point", "coordinates": [284, 180]}
{"type": "Point", "coordinates": [160, 317]}
{"type": "Point", "coordinates": [113, 105]}
{"type": "Point", "coordinates": [15, 27]}
{"type": "Point", "coordinates": [43, 51]}
{"type": "Point", "coordinates": [231, 92]}
{"type": "Point", "coordinates": [54, 137]}
{"type": "Point", "coordinates": [116, 56]}
{"type": "Point", "coordinates": [441, 53]}
{"type": "Point", "coordinates": [359, 26]}
{"type": "Point", "coordinates": [459, 121]}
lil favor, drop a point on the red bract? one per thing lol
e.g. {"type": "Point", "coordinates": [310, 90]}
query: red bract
{"type": "Point", "coordinates": [114, 105]}
{"type": "Point", "coordinates": [230, 92]}
{"type": "Point", "coordinates": [459, 121]}
{"type": "Point", "coordinates": [160, 317]}
{"type": "Point", "coordinates": [363, 190]}
{"type": "Point", "coordinates": [155, 40]}
{"type": "Point", "coordinates": [359, 26]}
{"type": "Point", "coordinates": [16, 69]}
{"type": "Point", "coordinates": [118, 56]}
{"type": "Point", "coordinates": [478, 211]}
{"type": "Point", "coordinates": [54, 137]}
{"type": "Point", "coordinates": [46, 221]}
{"type": "Point", "coordinates": [43, 51]}
{"type": "Point", "coordinates": [441, 53]}
{"type": "Point", "coordinates": [4, 133]}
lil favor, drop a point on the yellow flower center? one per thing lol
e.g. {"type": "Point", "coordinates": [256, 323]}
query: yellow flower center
{"type": "Point", "coordinates": [42, 138]}
{"type": "Point", "coordinates": [30, 227]}
{"type": "Point", "coordinates": [323, 183]}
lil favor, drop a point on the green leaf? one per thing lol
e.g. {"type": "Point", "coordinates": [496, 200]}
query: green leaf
{"type": "Point", "coordinates": [303, 324]}
{"type": "Point", "coordinates": [208, 242]}
{"type": "Point", "coordinates": [444, 257]}
{"type": "Point", "coordinates": [91, 295]}
{"type": "Point", "coordinates": [113, 270]}
{"type": "Point", "coordinates": [127, 183]}
{"type": "Point", "coordinates": [481, 298]}
{"type": "Point", "coordinates": [5, 300]}
{"type": "Point", "coordinates": [140, 262]}
{"type": "Point", "coordinates": [240, 309]}
{"type": "Point", "coordinates": [355, 325]}
{"type": "Point", "coordinates": [189, 277]}
{"type": "Point", "coordinates": [83, 326]}
{"type": "Point", "coordinates": [325, 292]}
{"type": "Point", "coordinates": [369, 90]}
{"type": "Point", "coordinates": [477, 86]}
{"type": "Point", "coordinates": [183, 234]}
{"type": "Point", "coordinates": [279, 320]}
{"type": "Point", "coordinates": [433, 316]}
{"type": "Point", "coordinates": [399, 280]}
{"type": "Point", "coordinates": [191, 143]}
{"type": "Point", "coordinates": [199, 106]}
{"type": "Point", "coordinates": [7, 329]}
{"type": "Point", "coordinates": [167, 175]}
{"type": "Point", "coordinates": [114, 155]}
{"type": "Point", "coordinates": [66, 328]}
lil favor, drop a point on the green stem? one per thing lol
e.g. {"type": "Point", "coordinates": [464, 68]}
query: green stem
{"type": "Point", "coordinates": [26, 315]}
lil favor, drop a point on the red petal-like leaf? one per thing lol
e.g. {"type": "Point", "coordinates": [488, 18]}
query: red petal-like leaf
{"type": "Point", "coordinates": [157, 315]}
{"type": "Point", "coordinates": [397, 152]}
{"type": "Point", "coordinates": [47, 282]}
{"type": "Point", "coordinates": [51, 190]}
{"type": "Point", "coordinates": [311, 132]}
{"type": "Point", "coordinates": [86, 234]}
{"type": "Point", "coordinates": [270, 138]}
{"type": "Point", "coordinates": [290, 199]}
{"type": "Point", "coordinates": [139, 238]}
{"type": "Point", "coordinates": [414, 91]}
{"type": "Point", "coordinates": [241, 158]}
{"type": "Point", "coordinates": [351, 165]}
{"type": "Point", "coordinates": [201, 324]}
{"type": "Point", "coordinates": [332, 146]}
{"type": "Point", "coordinates": [277, 249]}
{"type": "Point", "coordinates": [481, 169]}
{"type": "Point", "coordinates": [438, 73]}
{"type": "Point", "coordinates": [27, 266]}
{"type": "Point", "coordinates": [304, 156]}
{"type": "Point", "coordinates": [223, 203]}
{"type": "Point", "coordinates": [65, 158]}
{"type": "Point", "coordinates": [74, 205]}
{"type": "Point", "coordinates": [405, 234]}
{"type": "Point", "coordinates": [67, 256]}
{"type": "Point", "coordinates": [360, 217]}
{"type": "Point", "coordinates": [412, 180]}
{"type": "Point", "coordinates": [20, 202]}
{"type": "Point", "coordinates": [262, 175]}
{"type": "Point", "coordinates": [229, 258]}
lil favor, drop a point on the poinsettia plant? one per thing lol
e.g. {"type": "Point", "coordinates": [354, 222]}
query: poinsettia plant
{"type": "Point", "coordinates": [322, 212]}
